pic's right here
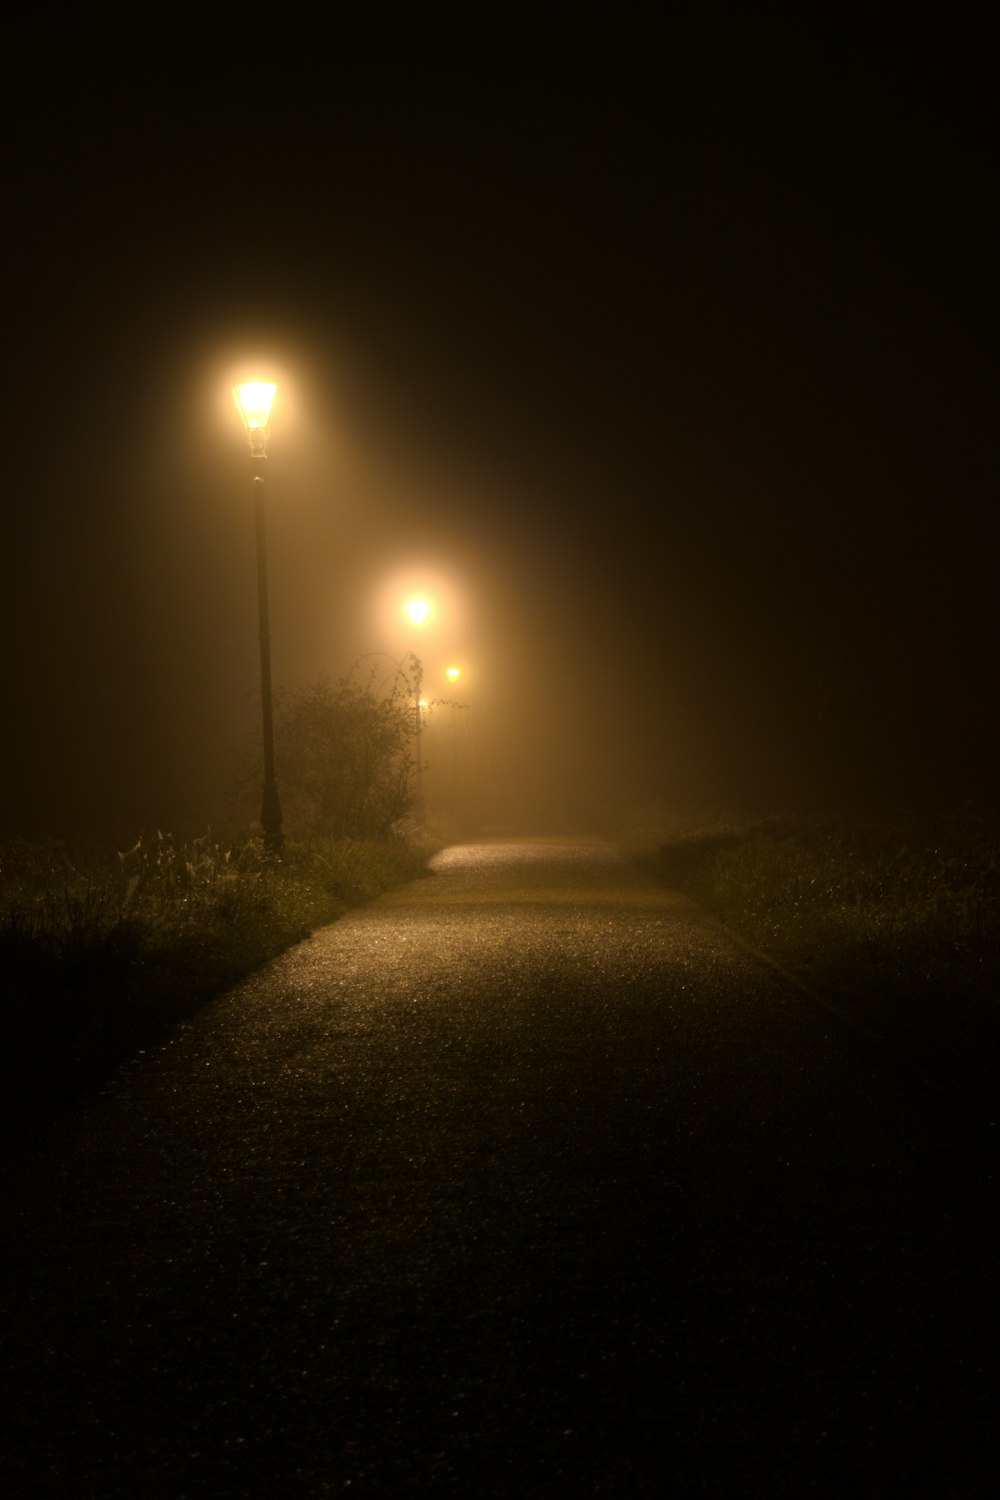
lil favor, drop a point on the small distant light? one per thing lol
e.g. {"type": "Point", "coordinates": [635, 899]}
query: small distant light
{"type": "Point", "coordinates": [418, 611]}
{"type": "Point", "coordinates": [453, 673]}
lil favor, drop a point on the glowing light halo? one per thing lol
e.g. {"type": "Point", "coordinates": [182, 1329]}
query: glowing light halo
{"type": "Point", "coordinates": [438, 636]}
{"type": "Point", "coordinates": [254, 399]}
{"type": "Point", "coordinates": [418, 609]}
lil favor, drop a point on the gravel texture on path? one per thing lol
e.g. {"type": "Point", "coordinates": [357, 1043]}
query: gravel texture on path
{"type": "Point", "coordinates": [521, 1181]}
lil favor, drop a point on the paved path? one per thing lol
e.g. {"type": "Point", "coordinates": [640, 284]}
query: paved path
{"type": "Point", "coordinates": [521, 1181]}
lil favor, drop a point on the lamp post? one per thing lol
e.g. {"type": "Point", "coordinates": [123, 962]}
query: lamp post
{"type": "Point", "coordinates": [418, 708]}
{"type": "Point", "coordinates": [418, 610]}
{"type": "Point", "coordinates": [253, 402]}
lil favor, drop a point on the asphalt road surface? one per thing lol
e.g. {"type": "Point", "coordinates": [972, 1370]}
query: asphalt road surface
{"type": "Point", "coordinates": [522, 1181]}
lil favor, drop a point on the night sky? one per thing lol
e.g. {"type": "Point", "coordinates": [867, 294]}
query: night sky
{"type": "Point", "coordinates": [664, 345]}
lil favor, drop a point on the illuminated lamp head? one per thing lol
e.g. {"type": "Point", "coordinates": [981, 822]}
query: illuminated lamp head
{"type": "Point", "coordinates": [254, 399]}
{"type": "Point", "coordinates": [418, 611]}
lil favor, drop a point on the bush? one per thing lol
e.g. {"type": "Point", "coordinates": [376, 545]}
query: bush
{"type": "Point", "coordinates": [343, 753]}
{"type": "Point", "coordinates": [101, 955]}
{"type": "Point", "coordinates": [899, 921]}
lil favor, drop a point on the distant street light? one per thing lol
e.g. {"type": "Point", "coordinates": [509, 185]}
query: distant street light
{"type": "Point", "coordinates": [418, 609]}
{"type": "Point", "coordinates": [253, 402]}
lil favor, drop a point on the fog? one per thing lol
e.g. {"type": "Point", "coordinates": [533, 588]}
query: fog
{"type": "Point", "coordinates": [660, 358]}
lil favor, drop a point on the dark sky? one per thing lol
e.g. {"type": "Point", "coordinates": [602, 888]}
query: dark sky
{"type": "Point", "coordinates": [665, 343]}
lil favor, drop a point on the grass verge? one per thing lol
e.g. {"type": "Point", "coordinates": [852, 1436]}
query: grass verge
{"type": "Point", "coordinates": [100, 956]}
{"type": "Point", "coordinates": [897, 922]}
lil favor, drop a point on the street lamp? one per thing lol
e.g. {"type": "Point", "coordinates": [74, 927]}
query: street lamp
{"type": "Point", "coordinates": [253, 402]}
{"type": "Point", "coordinates": [418, 713]}
{"type": "Point", "coordinates": [418, 610]}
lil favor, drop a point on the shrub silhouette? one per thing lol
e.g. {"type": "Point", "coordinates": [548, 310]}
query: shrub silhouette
{"type": "Point", "coordinates": [344, 757]}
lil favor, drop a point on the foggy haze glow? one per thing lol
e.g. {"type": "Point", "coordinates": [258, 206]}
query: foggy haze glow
{"type": "Point", "coordinates": [418, 611]}
{"type": "Point", "coordinates": [659, 367]}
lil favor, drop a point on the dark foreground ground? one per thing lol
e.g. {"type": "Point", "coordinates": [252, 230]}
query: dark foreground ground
{"type": "Point", "coordinates": [522, 1181]}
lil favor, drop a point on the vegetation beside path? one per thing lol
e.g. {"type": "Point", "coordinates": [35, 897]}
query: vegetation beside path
{"type": "Point", "coordinates": [896, 921]}
{"type": "Point", "coordinates": [101, 954]}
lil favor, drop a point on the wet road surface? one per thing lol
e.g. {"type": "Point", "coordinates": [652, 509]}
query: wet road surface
{"type": "Point", "coordinates": [523, 1180]}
